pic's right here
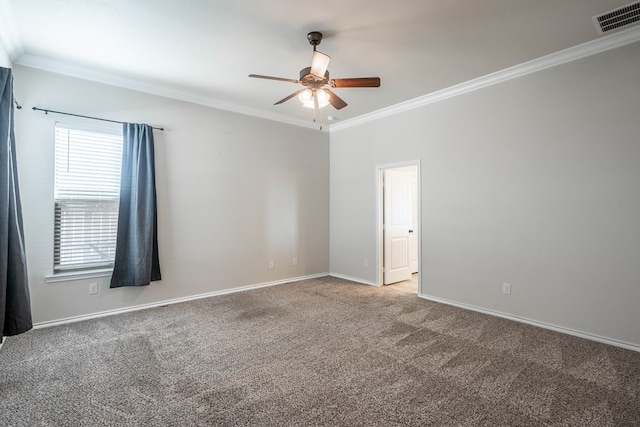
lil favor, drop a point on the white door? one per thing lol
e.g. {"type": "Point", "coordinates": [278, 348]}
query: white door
{"type": "Point", "coordinates": [413, 231]}
{"type": "Point", "coordinates": [396, 226]}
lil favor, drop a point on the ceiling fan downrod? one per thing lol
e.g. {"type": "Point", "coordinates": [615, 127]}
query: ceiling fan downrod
{"type": "Point", "coordinates": [314, 37]}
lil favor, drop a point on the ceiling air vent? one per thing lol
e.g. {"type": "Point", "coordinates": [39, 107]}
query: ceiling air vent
{"type": "Point", "coordinates": [617, 18]}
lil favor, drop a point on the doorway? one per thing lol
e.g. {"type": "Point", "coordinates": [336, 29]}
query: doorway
{"type": "Point", "coordinates": [399, 223]}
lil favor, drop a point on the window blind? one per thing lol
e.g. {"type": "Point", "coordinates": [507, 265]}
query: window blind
{"type": "Point", "coordinates": [86, 192]}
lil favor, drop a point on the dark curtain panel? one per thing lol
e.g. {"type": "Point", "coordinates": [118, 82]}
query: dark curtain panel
{"type": "Point", "coordinates": [15, 305]}
{"type": "Point", "coordinates": [136, 260]}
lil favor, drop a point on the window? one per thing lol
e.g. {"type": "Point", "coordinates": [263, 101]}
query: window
{"type": "Point", "coordinates": [86, 192]}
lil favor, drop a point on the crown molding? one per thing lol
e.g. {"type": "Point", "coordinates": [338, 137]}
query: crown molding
{"type": "Point", "coordinates": [10, 37]}
{"type": "Point", "coordinates": [13, 44]}
{"type": "Point", "coordinates": [38, 62]}
{"type": "Point", "coordinates": [574, 53]}
{"type": "Point", "coordinates": [9, 31]}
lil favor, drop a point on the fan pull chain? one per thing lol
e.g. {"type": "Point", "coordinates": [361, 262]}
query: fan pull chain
{"type": "Point", "coordinates": [315, 105]}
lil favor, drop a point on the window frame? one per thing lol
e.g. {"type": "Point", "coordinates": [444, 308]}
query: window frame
{"type": "Point", "coordinates": [64, 269]}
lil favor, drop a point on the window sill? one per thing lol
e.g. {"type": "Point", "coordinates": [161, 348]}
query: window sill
{"type": "Point", "coordinates": [77, 275]}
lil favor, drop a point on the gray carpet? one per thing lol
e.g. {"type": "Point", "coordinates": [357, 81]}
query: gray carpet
{"type": "Point", "coordinates": [319, 352]}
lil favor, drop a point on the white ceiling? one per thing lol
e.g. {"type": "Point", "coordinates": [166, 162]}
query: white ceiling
{"type": "Point", "coordinates": [203, 50]}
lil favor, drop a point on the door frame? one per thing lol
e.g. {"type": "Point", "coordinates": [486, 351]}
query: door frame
{"type": "Point", "coordinates": [380, 217]}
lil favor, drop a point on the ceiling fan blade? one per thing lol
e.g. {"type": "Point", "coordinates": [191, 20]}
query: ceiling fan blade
{"type": "Point", "coordinates": [319, 64]}
{"type": "Point", "coordinates": [335, 100]}
{"type": "Point", "coordinates": [286, 98]}
{"type": "Point", "coordinates": [356, 82]}
{"type": "Point", "coordinates": [258, 76]}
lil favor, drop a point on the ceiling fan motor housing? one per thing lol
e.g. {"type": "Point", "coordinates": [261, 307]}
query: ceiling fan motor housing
{"type": "Point", "coordinates": [307, 77]}
{"type": "Point", "coordinates": [314, 37]}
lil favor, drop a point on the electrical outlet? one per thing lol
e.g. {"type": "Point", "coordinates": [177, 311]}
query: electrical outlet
{"type": "Point", "coordinates": [295, 261]}
{"type": "Point", "coordinates": [93, 288]}
{"type": "Point", "coordinates": [506, 288]}
{"type": "Point", "coordinates": [366, 263]}
{"type": "Point", "coordinates": [270, 264]}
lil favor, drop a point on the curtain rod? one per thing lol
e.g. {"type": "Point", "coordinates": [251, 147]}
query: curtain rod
{"type": "Point", "coordinates": [85, 117]}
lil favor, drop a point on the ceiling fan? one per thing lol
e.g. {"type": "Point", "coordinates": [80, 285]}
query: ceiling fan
{"type": "Point", "coordinates": [315, 79]}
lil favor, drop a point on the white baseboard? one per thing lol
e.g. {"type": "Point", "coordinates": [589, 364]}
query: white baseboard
{"type": "Point", "coordinates": [352, 279]}
{"type": "Point", "coordinates": [563, 330]}
{"type": "Point", "coordinates": [568, 331]}
{"type": "Point", "coordinates": [171, 301]}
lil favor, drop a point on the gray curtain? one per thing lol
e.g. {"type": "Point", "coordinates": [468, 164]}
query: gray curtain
{"type": "Point", "coordinates": [136, 261]}
{"type": "Point", "coordinates": [15, 305]}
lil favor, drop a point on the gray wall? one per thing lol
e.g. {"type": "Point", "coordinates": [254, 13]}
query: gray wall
{"type": "Point", "coordinates": [234, 192]}
{"type": "Point", "coordinates": [534, 182]}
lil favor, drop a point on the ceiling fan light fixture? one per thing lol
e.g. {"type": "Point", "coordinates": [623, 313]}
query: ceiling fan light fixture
{"type": "Point", "coordinates": [323, 98]}
{"type": "Point", "coordinates": [319, 64]}
{"type": "Point", "coordinates": [306, 98]}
